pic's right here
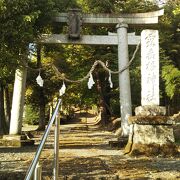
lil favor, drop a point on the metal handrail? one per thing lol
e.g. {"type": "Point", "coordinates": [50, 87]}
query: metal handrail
{"type": "Point", "coordinates": [42, 143]}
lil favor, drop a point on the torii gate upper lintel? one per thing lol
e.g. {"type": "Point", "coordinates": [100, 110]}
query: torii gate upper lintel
{"type": "Point", "coordinates": [103, 19]}
{"type": "Point", "coordinates": [122, 39]}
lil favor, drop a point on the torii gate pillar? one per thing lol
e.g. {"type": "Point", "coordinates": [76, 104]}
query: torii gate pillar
{"type": "Point", "coordinates": [124, 79]}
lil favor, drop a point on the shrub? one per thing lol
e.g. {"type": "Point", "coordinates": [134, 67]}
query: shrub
{"type": "Point", "coordinates": [31, 115]}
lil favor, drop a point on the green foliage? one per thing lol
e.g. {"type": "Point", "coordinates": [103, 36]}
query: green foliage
{"type": "Point", "coordinates": [21, 21]}
{"type": "Point", "coordinates": [134, 6]}
{"type": "Point", "coordinates": [169, 31]}
{"type": "Point", "coordinates": [31, 115]}
{"type": "Point", "coordinates": [169, 54]}
{"type": "Point", "coordinates": [171, 76]}
{"type": "Point", "coordinates": [115, 6]}
{"type": "Point", "coordinates": [8, 64]}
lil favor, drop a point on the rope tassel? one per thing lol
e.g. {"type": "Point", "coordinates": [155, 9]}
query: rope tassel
{"type": "Point", "coordinates": [90, 81]}
{"type": "Point", "coordinates": [62, 90]}
{"type": "Point", "coordinates": [110, 80]}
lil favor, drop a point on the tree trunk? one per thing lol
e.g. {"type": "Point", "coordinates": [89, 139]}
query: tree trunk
{"type": "Point", "coordinates": [3, 127]}
{"type": "Point", "coordinates": [42, 108]}
{"type": "Point", "coordinates": [42, 105]}
{"type": "Point", "coordinates": [18, 101]}
{"type": "Point", "coordinates": [102, 103]}
{"type": "Point", "coordinates": [7, 106]}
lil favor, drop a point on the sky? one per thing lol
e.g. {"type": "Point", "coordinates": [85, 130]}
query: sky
{"type": "Point", "coordinates": [159, 2]}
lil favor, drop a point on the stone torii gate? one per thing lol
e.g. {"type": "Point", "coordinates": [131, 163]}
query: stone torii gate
{"type": "Point", "coordinates": [75, 19]}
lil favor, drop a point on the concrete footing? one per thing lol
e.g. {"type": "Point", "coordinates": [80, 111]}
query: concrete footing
{"type": "Point", "coordinates": [15, 141]}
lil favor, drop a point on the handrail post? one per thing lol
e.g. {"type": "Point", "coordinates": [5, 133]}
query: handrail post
{"type": "Point", "coordinates": [56, 149]}
{"type": "Point", "coordinates": [38, 172]}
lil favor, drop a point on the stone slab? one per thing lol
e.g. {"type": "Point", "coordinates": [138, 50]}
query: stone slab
{"type": "Point", "coordinates": [149, 67]}
{"type": "Point", "coordinates": [15, 141]}
{"type": "Point", "coordinates": [10, 143]}
{"type": "Point", "coordinates": [150, 120]}
{"type": "Point", "coordinates": [14, 137]}
{"type": "Point", "coordinates": [150, 110]}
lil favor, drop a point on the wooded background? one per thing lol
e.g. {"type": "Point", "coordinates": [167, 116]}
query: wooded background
{"type": "Point", "coordinates": [23, 21]}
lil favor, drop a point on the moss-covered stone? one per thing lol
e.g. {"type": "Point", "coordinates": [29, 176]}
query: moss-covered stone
{"type": "Point", "coordinates": [15, 141]}
{"type": "Point", "coordinates": [153, 110]}
{"type": "Point", "coordinates": [154, 120]}
{"type": "Point", "coordinates": [151, 140]}
{"type": "Point", "coordinates": [154, 149]}
{"type": "Point", "coordinates": [10, 143]}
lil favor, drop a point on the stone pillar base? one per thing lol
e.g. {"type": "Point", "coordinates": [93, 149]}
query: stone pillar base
{"type": "Point", "coordinates": [151, 133]}
{"type": "Point", "coordinates": [153, 149]}
{"type": "Point", "coordinates": [15, 141]}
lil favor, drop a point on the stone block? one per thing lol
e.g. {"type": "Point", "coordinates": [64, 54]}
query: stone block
{"type": "Point", "coordinates": [151, 140]}
{"type": "Point", "coordinates": [150, 111]}
{"type": "Point", "coordinates": [152, 120]}
{"type": "Point", "coordinates": [149, 134]}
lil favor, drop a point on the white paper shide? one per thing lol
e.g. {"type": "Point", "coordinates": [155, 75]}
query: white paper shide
{"type": "Point", "coordinates": [90, 81]}
{"type": "Point", "coordinates": [40, 81]}
{"type": "Point", "coordinates": [62, 90]}
{"type": "Point", "coordinates": [110, 80]}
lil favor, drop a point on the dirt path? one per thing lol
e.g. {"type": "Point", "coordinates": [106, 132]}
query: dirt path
{"type": "Point", "coordinates": [85, 154]}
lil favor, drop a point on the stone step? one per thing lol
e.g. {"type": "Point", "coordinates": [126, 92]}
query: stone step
{"type": "Point", "coordinates": [81, 140]}
{"type": "Point", "coordinates": [89, 177]}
